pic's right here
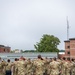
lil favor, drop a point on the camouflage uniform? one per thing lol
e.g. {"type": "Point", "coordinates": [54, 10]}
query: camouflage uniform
{"type": "Point", "coordinates": [38, 67]}
{"type": "Point", "coordinates": [21, 67]}
{"type": "Point", "coordinates": [73, 69]}
{"type": "Point", "coordinates": [15, 69]}
{"type": "Point", "coordinates": [28, 67]}
{"type": "Point", "coordinates": [69, 68]}
{"type": "Point", "coordinates": [64, 67]}
{"type": "Point", "coordinates": [1, 68]}
{"type": "Point", "coordinates": [60, 65]}
{"type": "Point", "coordinates": [8, 66]}
{"type": "Point", "coordinates": [4, 63]}
{"type": "Point", "coordinates": [54, 65]}
{"type": "Point", "coordinates": [46, 66]}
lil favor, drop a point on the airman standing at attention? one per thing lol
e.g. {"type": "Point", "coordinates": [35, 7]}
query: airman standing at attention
{"type": "Point", "coordinates": [73, 68]}
{"type": "Point", "coordinates": [54, 66]}
{"type": "Point", "coordinates": [38, 66]}
{"type": "Point", "coordinates": [4, 63]}
{"type": "Point", "coordinates": [8, 67]}
{"type": "Point", "coordinates": [28, 67]}
{"type": "Point", "coordinates": [65, 66]}
{"type": "Point", "coordinates": [63, 71]}
{"type": "Point", "coordinates": [69, 67]}
{"type": "Point", "coordinates": [15, 69]}
{"type": "Point", "coordinates": [46, 66]}
{"type": "Point", "coordinates": [2, 72]}
{"type": "Point", "coordinates": [60, 64]}
{"type": "Point", "coordinates": [21, 67]}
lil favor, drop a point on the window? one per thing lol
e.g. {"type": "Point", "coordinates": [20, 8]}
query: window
{"type": "Point", "coordinates": [4, 50]}
{"type": "Point", "coordinates": [68, 46]}
{"type": "Point", "coordinates": [68, 52]}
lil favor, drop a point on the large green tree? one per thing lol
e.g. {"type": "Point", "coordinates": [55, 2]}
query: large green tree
{"type": "Point", "coordinates": [48, 43]}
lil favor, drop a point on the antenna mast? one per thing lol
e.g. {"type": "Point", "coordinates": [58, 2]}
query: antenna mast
{"type": "Point", "coordinates": [67, 29]}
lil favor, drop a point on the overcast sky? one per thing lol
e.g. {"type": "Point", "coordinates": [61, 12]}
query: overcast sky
{"type": "Point", "coordinates": [23, 22]}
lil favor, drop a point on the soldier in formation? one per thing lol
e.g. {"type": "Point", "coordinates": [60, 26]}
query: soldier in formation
{"type": "Point", "coordinates": [38, 66]}
{"type": "Point", "coordinates": [2, 67]}
{"type": "Point", "coordinates": [8, 67]}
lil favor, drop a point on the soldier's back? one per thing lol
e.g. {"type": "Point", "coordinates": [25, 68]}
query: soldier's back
{"type": "Point", "coordinates": [54, 65]}
{"type": "Point", "coordinates": [21, 67]}
{"type": "Point", "coordinates": [39, 67]}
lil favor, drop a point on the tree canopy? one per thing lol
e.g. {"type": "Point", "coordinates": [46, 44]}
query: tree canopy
{"type": "Point", "coordinates": [48, 43]}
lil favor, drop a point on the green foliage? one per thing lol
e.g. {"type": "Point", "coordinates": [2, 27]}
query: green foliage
{"type": "Point", "coordinates": [48, 43]}
{"type": "Point", "coordinates": [29, 51]}
{"type": "Point", "coordinates": [62, 51]}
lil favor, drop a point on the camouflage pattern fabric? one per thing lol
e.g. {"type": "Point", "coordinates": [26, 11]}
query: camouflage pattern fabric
{"type": "Point", "coordinates": [39, 67]}
{"type": "Point", "coordinates": [15, 69]}
{"type": "Point", "coordinates": [21, 67]}
{"type": "Point", "coordinates": [73, 69]}
{"type": "Point", "coordinates": [8, 66]}
{"type": "Point", "coordinates": [1, 68]}
{"type": "Point", "coordinates": [28, 67]}
{"type": "Point", "coordinates": [54, 65]}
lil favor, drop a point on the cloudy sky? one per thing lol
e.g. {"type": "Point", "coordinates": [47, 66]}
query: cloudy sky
{"type": "Point", "coordinates": [23, 22]}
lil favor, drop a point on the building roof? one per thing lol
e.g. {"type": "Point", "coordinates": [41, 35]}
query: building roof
{"type": "Point", "coordinates": [2, 46]}
{"type": "Point", "coordinates": [72, 39]}
{"type": "Point", "coordinates": [67, 41]}
{"type": "Point", "coordinates": [61, 50]}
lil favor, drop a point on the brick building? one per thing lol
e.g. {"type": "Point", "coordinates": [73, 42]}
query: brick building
{"type": "Point", "coordinates": [69, 49]}
{"type": "Point", "coordinates": [4, 49]}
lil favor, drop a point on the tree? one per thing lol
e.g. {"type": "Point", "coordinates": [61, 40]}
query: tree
{"type": "Point", "coordinates": [48, 43]}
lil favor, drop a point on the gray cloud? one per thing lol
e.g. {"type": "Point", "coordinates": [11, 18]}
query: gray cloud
{"type": "Point", "coordinates": [23, 22]}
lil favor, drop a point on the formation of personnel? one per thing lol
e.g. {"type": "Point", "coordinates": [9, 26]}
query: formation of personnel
{"type": "Point", "coordinates": [38, 66]}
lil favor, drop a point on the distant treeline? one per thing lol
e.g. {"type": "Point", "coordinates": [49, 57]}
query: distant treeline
{"type": "Point", "coordinates": [24, 51]}
{"type": "Point", "coordinates": [30, 51]}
